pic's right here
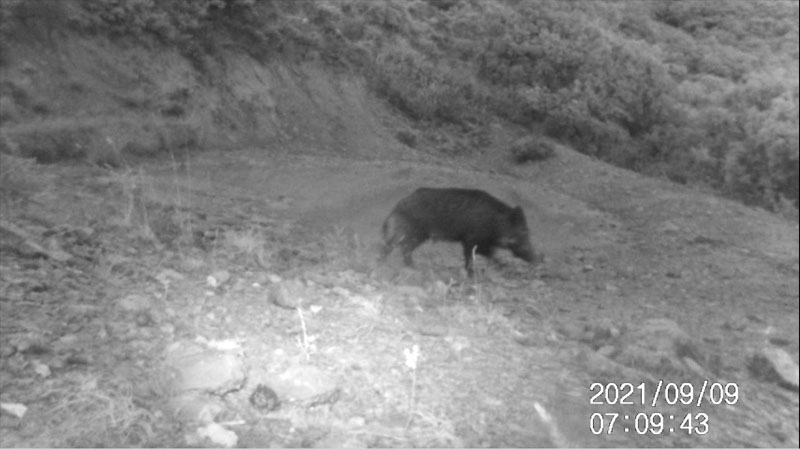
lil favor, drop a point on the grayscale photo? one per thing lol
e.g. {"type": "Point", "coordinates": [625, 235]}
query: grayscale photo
{"type": "Point", "coordinates": [399, 223]}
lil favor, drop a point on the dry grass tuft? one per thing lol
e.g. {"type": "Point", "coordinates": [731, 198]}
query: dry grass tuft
{"type": "Point", "coordinates": [19, 180]}
{"type": "Point", "coordinates": [87, 414]}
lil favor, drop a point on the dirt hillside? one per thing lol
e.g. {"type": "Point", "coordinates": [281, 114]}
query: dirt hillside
{"type": "Point", "coordinates": [268, 240]}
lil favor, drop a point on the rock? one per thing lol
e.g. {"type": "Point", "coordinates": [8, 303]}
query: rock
{"type": "Point", "coordinates": [7, 351]}
{"type": "Point", "coordinates": [596, 333]}
{"type": "Point", "coordinates": [356, 421]}
{"type": "Point", "coordinates": [40, 368]}
{"type": "Point", "coordinates": [218, 435]}
{"type": "Point", "coordinates": [167, 275]}
{"type": "Point", "coordinates": [15, 409]}
{"type": "Point", "coordinates": [196, 407]}
{"type": "Point", "coordinates": [82, 234]}
{"type": "Point", "coordinates": [190, 263]}
{"type": "Point", "coordinates": [54, 250]}
{"type": "Point", "coordinates": [669, 227]}
{"type": "Point", "coordinates": [779, 341]}
{"type": "Point", "coordinates": [440, 289]}
{"type": "Point", "coordinates": [67, 340]}
{"type": "Point", "coordinates": [135, 303]}
{"type": "Point", "coordinates": [144, 318]}
{"type": "Point", "coordinates": [18, 240]}
{"type": "Point", "coordinates": [217, 278]}
{"type": "Point", "coordinates": [695, 367]}
{"type": "Point", "coordinates": [432, 329]}
{"type": "Point", "coordinates": [734, 324]}
{"type": "Point", "coordinates": [528, 340]}
{"type": "Point", "coordinates": [341, 291]}
{"type": "Point", "coordinates": [264, 398]}
{"type": "Point", "coordinates": [303, 383]}
{"type": "Point", "coordinates": [775, 365]}
{"type": "Point", "coordinates": [198, 367]}
{"type": "Point", "coordinates": [607, 351]}
{"type": "Point", "coordinates": [288, 295]}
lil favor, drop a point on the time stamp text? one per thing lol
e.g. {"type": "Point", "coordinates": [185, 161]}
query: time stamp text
{"type": "Point", "coordinates": [658, 423]}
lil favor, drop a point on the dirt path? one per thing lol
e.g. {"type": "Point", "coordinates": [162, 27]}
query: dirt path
{"type": "Point", "coordinates": [624, 256]}
{"type": "Point", "coordinates": [619, 248]}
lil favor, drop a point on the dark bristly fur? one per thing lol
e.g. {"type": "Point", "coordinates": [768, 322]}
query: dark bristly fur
{"type": "Point", "coordinates": [477, 220]}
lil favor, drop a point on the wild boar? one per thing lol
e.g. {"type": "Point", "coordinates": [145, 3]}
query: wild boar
{"type": "Point", "coordinates": [477, 220]}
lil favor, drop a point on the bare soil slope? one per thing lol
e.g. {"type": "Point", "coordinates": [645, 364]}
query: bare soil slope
{"type": "Point", "coordinates": [644, 282]}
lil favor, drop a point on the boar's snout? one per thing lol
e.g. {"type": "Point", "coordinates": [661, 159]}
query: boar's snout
{"type": "Point", "coordinates": [525, 252]}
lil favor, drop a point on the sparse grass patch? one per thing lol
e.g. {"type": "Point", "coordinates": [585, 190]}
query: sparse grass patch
{"type": "Point", "coordinates": [156, 136]}
{"type": "Point", "coordinates": [19, 179]}
{"type": "Point", "coordinates": [87, 414]}
{"type": "Point", "coordinates": [8, 109]}
{"type": "Point", "coordinates": [345, 249]}
{"type": "Point", "coordinates": [20, 95]}
{"type": "Point", "coordinates": [146, 147]}
{"type": "Point", "coordinates": [177, 136]}
{"type": "Point", "coordinates": [41, 108]}
{"type": "Point", "coordinates": [248, 241]}
{"type": "Point", "coordinates": [155, 216]}
{"type": "Point", "coordinates": [483, 317]}
{"type": "Point", "coordinates": [54, 142]}
{"type": "Point", "coordinates": [130, 184]}
{"type": "Point", "coordinates": [166, 223]}
{"type": "Point", "coordinates": [137, 99]}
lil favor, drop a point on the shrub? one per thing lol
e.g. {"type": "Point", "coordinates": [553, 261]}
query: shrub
{"type": "Point", "coordinates": [531, 149]}
{"type": "Point", "coordinates": [408, 138]}
{"type": "Point", "coordinates": [54, 143]}
{"type": "Point", "coordinates": [422, 90]}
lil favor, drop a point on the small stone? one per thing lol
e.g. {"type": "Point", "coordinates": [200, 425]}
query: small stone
{"type": "Point", "coordinates": [264, 398]}
{"type": "Point", "coordinates": [134, 303]}
{"type": "Point", "coordinates": [7, 351]}
{"type": "Point", "coordinates": [356, 421]}
{"type": "Point", "coordinates": [304, 383]}
{"type": "Point", "coordinates": [218, 278]}
{"type": "Point", "coordinates": [287, 295]}
{"type": "Point", "coordinates": [669, 227]}
{"type": "Point", "coordinates": [776, 365]}
{"type": "Point", "coordinates": [607, 351]}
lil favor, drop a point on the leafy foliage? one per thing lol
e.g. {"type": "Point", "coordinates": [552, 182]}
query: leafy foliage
{"type": "Point", "coordinates": [699, 91]}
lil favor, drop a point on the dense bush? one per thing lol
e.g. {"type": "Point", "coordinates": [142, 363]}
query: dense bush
{"type": "Point", "coordinates": [700, 91]}
{"type": "Point", "coordinates": [531, 149]}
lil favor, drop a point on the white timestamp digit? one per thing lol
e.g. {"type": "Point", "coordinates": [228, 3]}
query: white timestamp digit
{"type": "Point", "coordinates": [697, 423]}
{"type": "Point", "coordinates": [602, 422]}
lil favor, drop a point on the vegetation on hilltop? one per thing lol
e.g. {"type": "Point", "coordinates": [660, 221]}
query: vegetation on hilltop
{"type": "Point", "coordinates": [702, 92]}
